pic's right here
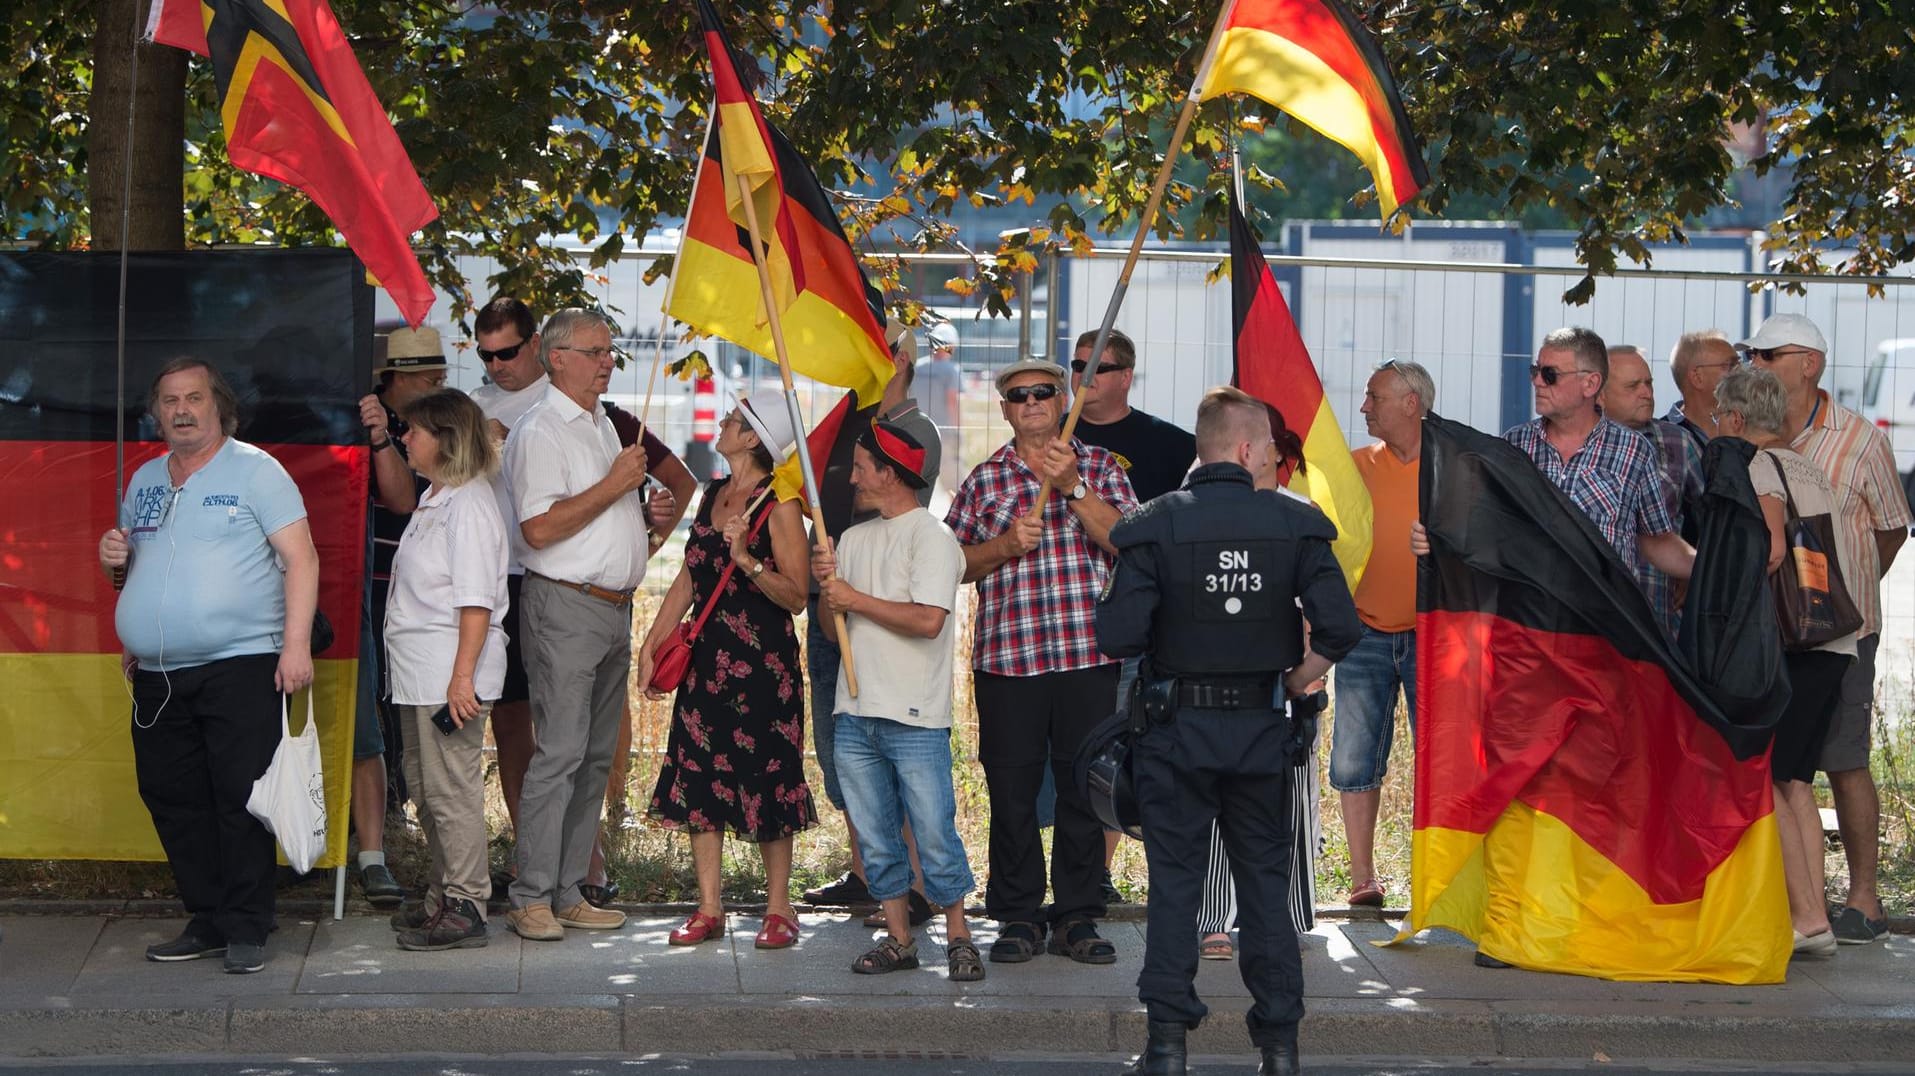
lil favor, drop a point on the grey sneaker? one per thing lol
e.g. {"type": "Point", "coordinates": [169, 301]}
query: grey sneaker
{"type": "Point", "coordinates": [244, 958]}
{"type": "Point", "coordinates": [1853, 927]}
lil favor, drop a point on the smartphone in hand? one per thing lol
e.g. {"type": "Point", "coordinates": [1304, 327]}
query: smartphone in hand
{"type": "Point", "coordinates": [443, 719]}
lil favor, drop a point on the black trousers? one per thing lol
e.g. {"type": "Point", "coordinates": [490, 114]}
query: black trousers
{"type": "Point", "coordinates": [1231, 767]}
{"type": "Point", "coordinates": [197, 753]}
{"type": "Point", "coordinates": [1023, 724]}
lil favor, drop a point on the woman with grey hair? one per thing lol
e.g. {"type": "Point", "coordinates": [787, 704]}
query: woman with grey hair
{"type": "Point", "coordinates": [1750, 404]}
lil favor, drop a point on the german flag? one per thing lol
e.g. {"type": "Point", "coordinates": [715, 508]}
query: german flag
{"type": "Point", "coordinates": [1582, 805]}
{"type": "Point", "coordinates": [297, 108]}
{"type": "Point", "coordinates": [67, 785]}
{"type": "Point", "coordinates": [1271, 363]}
{"type": "Point", "coordinates": [833, 318]}
{"type": "Point", "coordinates": [1317, 61]}
{"type": "Point", "coordinates": [833, 433]}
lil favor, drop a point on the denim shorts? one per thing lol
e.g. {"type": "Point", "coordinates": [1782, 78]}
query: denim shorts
{"type": "Point", "coordinates": [1365, 718]}
{"type": "Point", "coordinates": [821, 662]}
{"type": "Point", "coordinates": [893, 773]}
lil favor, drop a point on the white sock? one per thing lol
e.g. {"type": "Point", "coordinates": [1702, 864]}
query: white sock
{"type": "Point", "coordinates": [371, 859]}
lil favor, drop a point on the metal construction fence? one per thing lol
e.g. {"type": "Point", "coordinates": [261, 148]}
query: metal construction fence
{"type": "Point", "coordinates": [1445, 296]}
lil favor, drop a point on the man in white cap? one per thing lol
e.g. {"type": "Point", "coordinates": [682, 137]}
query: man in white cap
{"type": "Point", "coordinates": [1871, 523]}
{"type": "Point", "coordinates": [583, 526]}
{"type": "Point", "coordinates": [414, 366]}
{"type": "Point", "coordinates": [938, 382]}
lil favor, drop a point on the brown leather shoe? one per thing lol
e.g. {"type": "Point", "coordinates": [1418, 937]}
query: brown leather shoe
{"type": "Point", "coordinates": [583, 916]}
{"type": "Point", "coordinates": [534, 922]}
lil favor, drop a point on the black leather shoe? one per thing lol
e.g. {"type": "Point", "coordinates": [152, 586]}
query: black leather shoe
{"type": "Point", "coordinates": [1279, 1061]}
{"type": "Point", "coordinates": [185, 947]}
{"type": "Point", "coordinates": [1163, 1053]}
{"type": "Point", "coordinates": [1484, 960]}
{"type": "Point", "coordinates": [244, 958]}
{"type": "Point", "coordinates": [847, 890]}
{"type": "Point", "coordinates": [382, 890]}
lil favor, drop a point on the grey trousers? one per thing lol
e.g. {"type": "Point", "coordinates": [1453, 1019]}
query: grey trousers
{"type": "Point", "coordinates": [447, 777]}
{"type": "Point", "coordinates": [578, 655]}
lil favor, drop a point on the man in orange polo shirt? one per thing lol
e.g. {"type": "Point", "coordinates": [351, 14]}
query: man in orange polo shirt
{"type": "Point", "coordinates": [1399, 394]}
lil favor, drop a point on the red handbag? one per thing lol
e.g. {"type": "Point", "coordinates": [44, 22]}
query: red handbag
{"type": "Point", "coordinates": [673, 658]}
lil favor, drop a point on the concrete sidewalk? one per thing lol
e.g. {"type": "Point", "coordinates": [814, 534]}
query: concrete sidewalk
{"type": "Point", "coordinates": [77, 984]}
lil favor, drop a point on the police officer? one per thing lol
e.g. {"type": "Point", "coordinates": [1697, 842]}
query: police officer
{"type": "Point", "coordinates": [1208, 582]}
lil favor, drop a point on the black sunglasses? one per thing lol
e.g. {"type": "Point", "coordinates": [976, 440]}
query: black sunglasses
{"type": "Point", "coordinates": [1027, 393]}
{"type": "Point", "coordinates": [504, 354]}
{"type": "Point", "coordinates": [1077, 366]}
{"type": "Point", "coordinates": [1550, 374]}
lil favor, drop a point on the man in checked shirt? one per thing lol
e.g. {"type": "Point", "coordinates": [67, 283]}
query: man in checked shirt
{"type": "Point", "coordinates": [1040, 683]}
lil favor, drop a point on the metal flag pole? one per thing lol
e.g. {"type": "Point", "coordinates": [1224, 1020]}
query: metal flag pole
{"type": "Point", "coordinates": [1156, 199]}
{"type": "Point", "coordinates": [797, 417]}
{"type": "Point", "coordinates": [119, 336]}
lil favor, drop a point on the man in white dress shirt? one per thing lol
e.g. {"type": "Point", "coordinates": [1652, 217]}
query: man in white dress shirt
{"type": "Point", "coordinates": [575, 493]}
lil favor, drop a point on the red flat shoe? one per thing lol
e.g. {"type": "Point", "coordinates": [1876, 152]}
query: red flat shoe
{"type": "Point", "coordinates": [699, 928]}
{"type": "Point", "coordinates": [1367, 895]}
{"type": "Point", "coordinates": [779, 933]}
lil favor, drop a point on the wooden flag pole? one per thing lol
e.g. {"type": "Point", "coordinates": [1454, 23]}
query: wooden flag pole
{"type": "Point", "coordinates": [797, 417]}
{"type": "Point", "coordinates": [658, 360]}
{"type": "Point", "coordinates": [1137, 242]}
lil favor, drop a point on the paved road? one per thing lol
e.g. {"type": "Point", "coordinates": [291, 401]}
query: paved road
{"type": "Point", "coordinates": [904, 1065]}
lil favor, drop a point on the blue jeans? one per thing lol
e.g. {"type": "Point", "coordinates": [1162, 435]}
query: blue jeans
{"type": "Point", "coordinates": [821, 661]}
{"type": "Point", "coordinates": [1365, 721]}
{"type": "Point", "coordinates": [893, 773]}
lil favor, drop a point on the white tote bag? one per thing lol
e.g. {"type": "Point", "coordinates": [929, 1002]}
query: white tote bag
{"type": "Point", "coordinates": [290, 797]}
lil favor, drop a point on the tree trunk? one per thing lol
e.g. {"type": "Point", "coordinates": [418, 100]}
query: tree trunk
{"type": "Point", "coordinates": [156, 148]}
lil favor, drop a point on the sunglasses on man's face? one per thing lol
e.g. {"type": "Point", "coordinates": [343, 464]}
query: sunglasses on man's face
{"type": "Point", "coordinates": [1027, 393]}
{"type": "Point", "coordinates": [504, 354]}
{"type": "Point", "coordinates": [1551, 374]}
{"type": "Point", "coordinates": [1077, 366]}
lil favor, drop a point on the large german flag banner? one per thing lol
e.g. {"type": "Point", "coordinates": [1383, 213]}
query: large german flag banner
{"type": "Point", "coordinates": [833, 318]}
{"type": "Point", "coordinates": [1271, 363]}
{"type": "Point", "coordinates": [1582, 805]}
{"type": "Point", "coordinates": [298, 109]}
{"type": "Point", "coordinates": [67, 785]}
{"type": "Point", "coordinates": [1317, 61]}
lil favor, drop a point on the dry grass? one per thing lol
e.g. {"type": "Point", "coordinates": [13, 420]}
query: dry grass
{"type": "Point", "coordinates": [654, 865]}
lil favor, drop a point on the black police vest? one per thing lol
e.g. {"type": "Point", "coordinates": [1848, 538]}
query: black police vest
{"type": "Point", "coordinates": [1226, 560]}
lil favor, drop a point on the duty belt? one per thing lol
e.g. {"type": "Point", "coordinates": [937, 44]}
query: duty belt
{"type": "Point", "coordinates": [1229, 692]}
{"type": "Point", "coordinates": [615, 597]}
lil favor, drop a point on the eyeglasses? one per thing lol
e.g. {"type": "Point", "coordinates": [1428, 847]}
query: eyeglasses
{"type": "Point", "coordinates": [1771, 354]}
{"type": "Point", "coordinates": [1027, 393]}
{"type": "Point", "coordinates": [504, 354]}
{"type": "Point", "coordinates": [1077, 366]}
{"type": "Point", "coordinates": [593, 353]}
{"type": "Point", "coordinates": [1550, 374]}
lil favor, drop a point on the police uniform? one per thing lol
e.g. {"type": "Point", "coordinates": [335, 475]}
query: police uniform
{"type": "Point", "coordinates": [1208, 583]}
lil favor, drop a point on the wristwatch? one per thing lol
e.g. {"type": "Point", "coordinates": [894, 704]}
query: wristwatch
{"type": "Point", "coordinates": [378, 445]}
{"type": "Point", "coordinates": [757, 569]}
{"type": "Point", "coordinates": [1078, 492]}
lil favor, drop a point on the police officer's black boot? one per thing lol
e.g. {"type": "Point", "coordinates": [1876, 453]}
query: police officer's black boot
{"type": "Point", "coordinates": [1279, 1061]}
{"type": "Point", "coordinates": [1164, 1052]}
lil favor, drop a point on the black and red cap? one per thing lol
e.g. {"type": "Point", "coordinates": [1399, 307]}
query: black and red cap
{"type": "Point", "coordinates": [891, 444]}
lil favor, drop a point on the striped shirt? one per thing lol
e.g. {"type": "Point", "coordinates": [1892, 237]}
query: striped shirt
{"type": "Point", "coordinates": [1037, 613]}
{"type": "Point", "coordinates": [1613, 478]}
{"type": "Point", "coordinates": [1868, 495]}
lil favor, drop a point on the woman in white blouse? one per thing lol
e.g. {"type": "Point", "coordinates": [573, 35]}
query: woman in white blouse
{"type": "Point", "coordinates": [447, 659]}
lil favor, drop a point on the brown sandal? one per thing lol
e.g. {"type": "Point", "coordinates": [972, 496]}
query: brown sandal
{"type": "Point", "coordinates": [961, 957]}
{"type": "Point", "coordinates": [890, 955]}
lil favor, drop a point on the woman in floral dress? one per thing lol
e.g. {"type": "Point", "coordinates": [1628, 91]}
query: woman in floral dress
{"type": "Point", "coordinates": [735, 757]}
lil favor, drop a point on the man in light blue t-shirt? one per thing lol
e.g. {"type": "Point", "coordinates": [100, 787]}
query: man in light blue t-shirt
{"type": "Point", "coordinates": [215, 622]}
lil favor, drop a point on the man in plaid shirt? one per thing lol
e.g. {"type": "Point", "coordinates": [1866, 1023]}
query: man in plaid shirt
{"type": "Point", "coordinates": [1607, 471]}
{"type": "Point", "coordinates": [1040, 683]}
